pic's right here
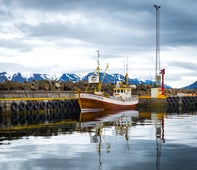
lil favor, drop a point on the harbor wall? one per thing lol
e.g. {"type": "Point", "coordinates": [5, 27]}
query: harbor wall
{"type": "Point", "coordinates": [146, 103]}
{"type": "Point", "coordinates": [36, 107]}
{"type": "Point", "coordinates": [173, 104]}
{"type": "Point", "coordinates": [38, 103]}
{"type": "Point", "coordinates": [182, 104]}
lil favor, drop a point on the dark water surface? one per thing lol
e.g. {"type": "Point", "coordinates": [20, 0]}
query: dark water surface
{"type": "Point", "coordinates": [124, 140]}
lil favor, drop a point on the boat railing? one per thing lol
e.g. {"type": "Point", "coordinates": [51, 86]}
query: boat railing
{"type": "Point", "coordinates": [132, 98]}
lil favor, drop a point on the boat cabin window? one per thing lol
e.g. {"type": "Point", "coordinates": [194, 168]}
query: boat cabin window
{"type": "Point", "coordinates": [119, 90]}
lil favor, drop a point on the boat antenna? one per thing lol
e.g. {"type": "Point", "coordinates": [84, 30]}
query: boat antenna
{"type": "Point", "coordinates": [127, 65]}
{"type": "Point", "coordinates": [98, 72]}
{"type": "Point", "coordinates": [98, 64]}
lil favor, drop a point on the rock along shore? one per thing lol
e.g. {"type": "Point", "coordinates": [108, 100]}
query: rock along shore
{"type": "Point", "coordinates": [45, 85]}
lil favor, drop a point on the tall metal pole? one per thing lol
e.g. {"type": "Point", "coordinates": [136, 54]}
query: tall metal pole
{"type": "Point", "coordinates": [157, 68]}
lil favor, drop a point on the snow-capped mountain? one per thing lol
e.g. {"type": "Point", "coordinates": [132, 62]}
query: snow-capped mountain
{"type": "Point", "coordinates": [113, 78]}
{"type": "Point", "coordinates": [3, 76]}
{"type": "Point", "coordinates": [19, 77]}
{"type": "Point", "coordinates": [108, 78]}
{"type": "Point", "coordinates": [69, 77]}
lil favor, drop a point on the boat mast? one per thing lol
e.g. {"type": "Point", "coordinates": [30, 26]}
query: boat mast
{"type": "Point", "coordinates": [98, 72]}
{"type": "Point", "coordinates": [98, 64]}
{"type": "Point", "coordinates": [126, 75]}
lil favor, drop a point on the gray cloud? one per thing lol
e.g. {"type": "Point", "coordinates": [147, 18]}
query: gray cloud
{"type": "Point", "coordinates": [15, 44]}
{"type": "Point", "coordinates": [186, 65]}
{"type": "Point", "coordinates": [178, 24]}
{"type": "Point", "coordinates": [5, 16]}
{"type": "Point", "coordinates": [120, 28]}
{"type": "Point", "coordinates": [12, 67]}
{"type": "Point", "coordinates": [51, 5]}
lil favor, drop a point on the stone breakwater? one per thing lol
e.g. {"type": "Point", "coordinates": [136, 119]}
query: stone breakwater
{"type": "Point", "coordinates": [46, 85]}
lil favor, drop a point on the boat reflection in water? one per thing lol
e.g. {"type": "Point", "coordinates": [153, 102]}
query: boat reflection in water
{"type": "Point", "coordinates": [108, 124]}
{"type": "Point", "coordinates": [102, 125]}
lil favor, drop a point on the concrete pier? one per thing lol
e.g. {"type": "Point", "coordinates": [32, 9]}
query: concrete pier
{"type": "Point", "coordinates": [176, 104]}
{"type": "Point", "coordinates": [32, 108]}
{"type": "Point", "coordinates": [146, 103]}
{"type": "Point", "coordinates": [7, 97]}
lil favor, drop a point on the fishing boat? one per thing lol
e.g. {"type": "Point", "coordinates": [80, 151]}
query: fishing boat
{"type": "Point", "coordinates": [97, 100]}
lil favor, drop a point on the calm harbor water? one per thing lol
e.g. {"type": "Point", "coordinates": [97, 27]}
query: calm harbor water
{"type": "Point", "coordinates": [105, 141]}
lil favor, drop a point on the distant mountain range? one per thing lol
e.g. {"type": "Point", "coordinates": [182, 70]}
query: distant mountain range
{"type": "Point", "coordinates": [192, 86]}
{"type": "Point", "coordinates": [108, 78]}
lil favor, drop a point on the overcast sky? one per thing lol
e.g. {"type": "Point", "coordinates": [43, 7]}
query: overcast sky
{"type": "Point", "coordinates": [62, 36]}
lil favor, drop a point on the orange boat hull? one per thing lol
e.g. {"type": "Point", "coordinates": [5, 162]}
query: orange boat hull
{"type": "Point", "coordinates": [96, 102]}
